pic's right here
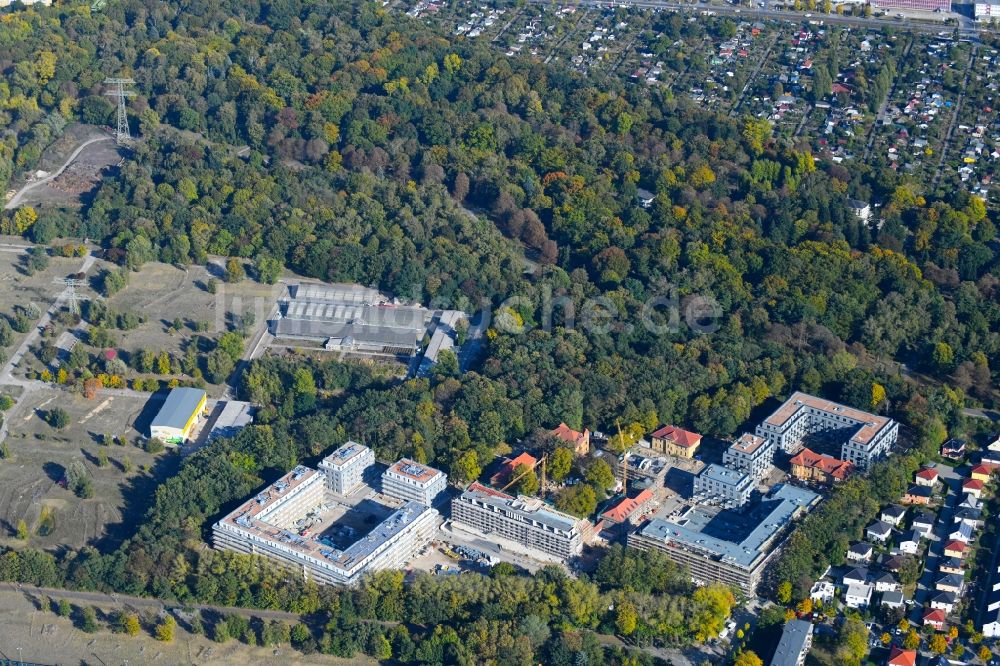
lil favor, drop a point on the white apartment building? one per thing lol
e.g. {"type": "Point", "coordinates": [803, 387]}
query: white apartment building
{"type": "Point", "coordinates": [723, 485]}
{"type": "Point", "coordinates": [345, 468]}
{"type": "Point", "coordinates": [409, 480]}
{"type": "Point", "coordinates": [264, 525]}
{"type": "Point", "coordinates": [750, 454]}
{"type": "Point", "coordinates": [525, 520]}
{"type": "Point", "coordinates": [868, 437]}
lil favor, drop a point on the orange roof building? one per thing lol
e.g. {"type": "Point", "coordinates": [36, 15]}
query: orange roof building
{"type": "Point", "coordinates": [506, 470]}
{"type": "Point", "coordinates": [982, 472]}
{"type": "Point", "coordinates": [630, 509]}
{"type": "Point", "coordinates": [955, 549]}
{"type": "Point", "coordinates": [675, 441]}
{"type": "Point", "coordinates": [808, 465]}
{"type": "Point", "coordinates": [580, 441]}
{"type": "Point", "coordinates": [900, 657]}
{"type": "Point", "coordinates": [934, 617]}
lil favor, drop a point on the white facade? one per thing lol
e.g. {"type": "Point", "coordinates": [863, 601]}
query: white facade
{"type": "Point", "coordinates": [345, 468]}
{"type": "Point", "coordinates": [409, 480]}
{"type": "Point", "coordinates": [987, 11]}
{"type": "Point", "coordinates": [750, 454]}
{"type": "Point", "coordinates": [858, 596]}
{"type": "Point", "coordinates": [722, 485]}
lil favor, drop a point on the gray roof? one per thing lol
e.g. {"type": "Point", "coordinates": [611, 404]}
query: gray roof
{"type": "Point", "coordinates": [527, 509]}
{"type": "Point", "coordinates": [725, 475]}
{"type": "Point", "coordinates": [894, 511]}
{"type": "Point", "coordinates": [879, 527]}
{"type": "Point", "coordinates": [925, 518]}
{"type": "Point", "coordinates": [781, 506]}
{"type": "Point", "coordinates": [860, 574]}
{"type": "Point", "coordinates": [383, 532]}
{"type": "Point", "coordinates": [180, 404]}
{"type": "Point", "coordinates": [861, 548]}
{"type": "Point", "coordinates": [792, 643]}
{"type": "Point", "coordinates": [893, 597]}
{"type": "Point", "coordinates": [951, 580]}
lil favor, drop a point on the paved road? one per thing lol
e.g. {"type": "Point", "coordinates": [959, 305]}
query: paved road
{"type": "Point", "coordinates": [977, 413]}
{"type": "Point", "coordinates": [142, 602]}
{"type": "Point", "coordinates": [939, 537]}
{"type": "Point", "coordinates": [956, 112]}
{"type": "Point", "coordinates": [30, 186]}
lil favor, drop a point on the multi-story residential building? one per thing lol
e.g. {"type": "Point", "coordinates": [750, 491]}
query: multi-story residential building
{"type": "Point", "coordinates": [727, 548]}
{"type": "Point", "coordinates": [867, 437]}
{"type": "Point", "coordinates": [526, 521]}
{"type": "Point", "coordinates": [796, 639]}
{"type": "Point", "coordinates": [265, 525]}
{"type": "Point", "coordinates": [345, 468]}
{"type": "Point", "coordinates": [918, 5]}
{"type": "Point", "coordinates": [750, 454]}
{"type": "Point", "coordinates": [409, 480]}
{"type": "Point", "coordinates": [675, 441]}
{"type": "Point", "coordinates": [723, 485]}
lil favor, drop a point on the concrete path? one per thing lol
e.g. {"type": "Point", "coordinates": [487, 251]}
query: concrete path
{"type": "Point", "coordinates": [16, 199]}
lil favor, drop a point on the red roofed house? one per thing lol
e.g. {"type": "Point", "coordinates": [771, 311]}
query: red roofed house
{"type": "Point", "coordinates": [973, 487]}
{"type": "Point", "coordinates": [630, 509]}
{"type": "Point", "coordinates": [928, 476]}
{"type": "Point", "coordinates": [934, 617]}
{"type": "Point", "coordinates": [982, 472]}
{"type": "Point", "coordinates": [900, 657]}
{"type": "Point", "coordinates": [675, 441]}
{"type": "Point", "coordinates": [955, 549]}
{"type": "Point", "coordinates": [808, 465]}
{"type": "Point", "coordinates": [505, 472]}
{"type": "Point", "coordinates": [580, 441]}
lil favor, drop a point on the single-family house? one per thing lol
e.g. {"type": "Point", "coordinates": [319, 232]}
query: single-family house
{"type": "Point", "coordinates": [861, 209]}
{"type": "Point", "coordinates": [858, 596]}
{"type": "Point", "coordinates": [909, 542]}
{"type": "Point", "coordinates": [953, 448]}
{"type": "Point", "coordinates": [955, 549]}
{"type": "Point", "coordinates": [878, 531]}
{"type": "Point", "coordinates": [950, 583]}
{"type": "Point", "coordinates": [860, 552]}
{"type": "Point", "coordinates": [675, 441]}
{"type": "Point", "coordinates": [894, 562]}
{"type": "Point", "coordinates": [644, 197]}
{"type": "Point", "coordinates": [893, 514]}
{"type": "Point", "coordinates": [900, 657]}
{"type": "Point", "coordinates": [971, 516]}
{"type": "Point", "coordinates": [886, 582]}
{"type": "Point", "coordinates": [934, 618]}
{"type": "Point", "coordinates": [927, 477]}
{"type": "Point", "coordinates": [578, 441]}
{"type": "Point", "coordinates": [969, 502]}
{"type": "Point", "coordinates": [822, 591]}
{"type": "Point", "coordinates": [923, 522]}
{"type": "Point", "coordinates": [918, 495]}
{"type": "Point", "coordinates": [944, 600]}
{"type": "Point", "coordinates": [858, 576]}
{"type": "Point", "coordinates": [973, 487]}
{"type": "Point", "coordinates": [982, 472]}
{"type": "Point", "coordinates": [893, 599]}
{"type": "Point", "coordinates": [961, 532]}
{"type": "Point", "coordinates": [951, 565]}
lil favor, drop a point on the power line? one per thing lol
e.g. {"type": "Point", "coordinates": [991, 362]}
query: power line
{"type": "Point", "coordinates": [122, 136]}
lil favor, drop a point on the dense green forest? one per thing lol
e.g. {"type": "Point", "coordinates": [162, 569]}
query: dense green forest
{"type": "Point", "coordinates": [382, 153]}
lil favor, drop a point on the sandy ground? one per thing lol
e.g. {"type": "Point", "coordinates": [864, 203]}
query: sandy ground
{"type": "Point", "coordinates": [46, 638]}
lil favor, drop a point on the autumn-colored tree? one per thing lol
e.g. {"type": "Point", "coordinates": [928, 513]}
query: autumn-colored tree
{"type": "Point", "coordinates": [626, 618]}
{"type": "Point", "coordinates": [912, 640]}
{"type": "Point", "coordinates": [748, 658]}
{"type": "Point", "coordinates": [938, 644]}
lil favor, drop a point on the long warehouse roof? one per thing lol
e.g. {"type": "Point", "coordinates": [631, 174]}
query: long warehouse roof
{"type": "Point", "coordinates": [177, 409]}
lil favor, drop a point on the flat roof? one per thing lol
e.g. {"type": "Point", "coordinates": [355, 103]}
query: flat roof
{"type": "Point", "coordinates": [414, 470]}
{"type": "Point", "coordinates": [529, 508]}
{"type": "Point", "coordinates": [768, 517]}
{"type": "Point", "coordinates": [793, 640]}
{"type": "Point", "coordinates": [234, 415]}
{"type": "Point", "coordinates": [726, 475]}
{"type": "Point", "coordinates": [181, 403]}
{"type": "Point", "coordinates": [344, 454]}
{"type": "Point", "coordinates": [747, 443]}
{"type": "Point", "coordinates": [870, 424]}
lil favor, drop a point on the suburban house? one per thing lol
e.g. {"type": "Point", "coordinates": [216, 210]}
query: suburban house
{"type": "Point", "coordinates": [860, 552]}
{"type": "Point", "coordinates": [918, 495]}
{"type": "Point", "coordinates": [950, 583]}
{"type": "Point", "coordinates": [944, 601]}
{"type": "Point", "coordinates": [822, 591]}
{"type": "Point", "coordinates": [578, 441]}
{"type": "Point", "coordinates": [961, 532]}
{"type": "Point", "coordinates": [928, 476]}
{"type": "Point", "coordinates": [894, 563]}
{"type": "Point", "coordinates": [893, 599]}
{"type": "Point", "coordinates": [951, 565]}
{"type": "Point", "coordinates": [923, 522]}
{"type": "Point", "coordinates": [900, 657]}
{"type": "Point", "coordinates": [861, 209]}
{"type": "Point", "coordinates": [982, 472]}
{"type": "Point", "coordinates": [973, 487]}
{"type": "Point", "coordinates": [955, 549]}
{"type": "Point", "coordinates": [893, 514]}
{"type": "Point", "coordinates": [858, 596]}
{"type": "Point", "coordinates": [857, 576]}
{"type": "Point", "coordinates": [808, 465]}
{"type": "Point", "coordinates": [909, 542]}
{"type": "Point", "coordinates": [878, 531]}
{"type": "Point", "coordinates": [953, 448]}
{"type": "Point", "coordinates": [886, 583]}
{"type": "Point", "coordinates": [644, 197]}
{"type": "Point", "coordinates": [969, 502]}
{"type": "Point", "coordinates": [675, 441]}
{"type": "Point", "coordinates": [934, 618]}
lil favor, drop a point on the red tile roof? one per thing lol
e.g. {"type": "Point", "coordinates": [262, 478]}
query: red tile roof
{"type": "Point", "coordinates": [956, 546]}
{"type": "Point", "coordinates": [620, 512]}
{"type": "Point", "coordinates": [678, 436]}
{"type": "Point", "coordinates": [900, 657]}
{"type": "Point", "coordinates": [934, 616]}
{"type": "Point", "coordinates": [838, 469]}
{"type": "Point", "coordinates": [928, 473]}
{"type": "Point", "coordinates": [509, 465]}
{"type": "Point", "coordinates": [567, 434]}
{"type": "Point", "coordinates": [983, 468]}
{"type": "Point", "coordinates": [478, 487]}
{"type": "Point", "coordinates": [973, 484]}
